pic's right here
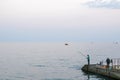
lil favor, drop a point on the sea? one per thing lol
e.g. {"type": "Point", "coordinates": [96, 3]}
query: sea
{"type": "Point", "coordinates": [53, 60]}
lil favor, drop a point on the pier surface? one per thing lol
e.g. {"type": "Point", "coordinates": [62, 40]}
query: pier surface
{"type": "Point", "coordinates": [102, 70]}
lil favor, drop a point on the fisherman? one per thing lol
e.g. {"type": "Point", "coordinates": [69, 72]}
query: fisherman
{"type": "Point", "coordinates": [111, 63]}
{"type": "Point", "coordinates": [101, 63]}
{"type": "Point", "coordinates": [108, 62]}
{"type": "Point", "coordinates": [88, 59]}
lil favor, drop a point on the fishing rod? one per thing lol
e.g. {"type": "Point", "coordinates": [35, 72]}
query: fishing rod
{"type": "Point", "coordinates": [82, 54]}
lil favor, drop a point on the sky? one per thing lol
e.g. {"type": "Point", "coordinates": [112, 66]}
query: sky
{"type": "Point", "coordinates": [59, 20]}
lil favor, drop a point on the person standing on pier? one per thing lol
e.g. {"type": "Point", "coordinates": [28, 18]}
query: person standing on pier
{"type": "Point", "coordinates": [111, 63]}
{"type": "Point", "coordinates": [88, 59]}
{"type": "Point", "coordinates": [108, 62]}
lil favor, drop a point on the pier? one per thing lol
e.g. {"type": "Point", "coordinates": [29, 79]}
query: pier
{"type": "Point", "coordinates": [112, 72]}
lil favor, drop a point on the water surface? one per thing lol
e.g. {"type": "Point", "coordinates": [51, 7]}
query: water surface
{"type": "Point", "coordinates": [52, 61]}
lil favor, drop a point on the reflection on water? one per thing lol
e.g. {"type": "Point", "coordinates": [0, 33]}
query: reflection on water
{"type": "Point", "coordinates": [51, 61]}
{"type": "Point", "coordinates": [88, 76]}
{"type": "Point", "coordinates": [92, 76]}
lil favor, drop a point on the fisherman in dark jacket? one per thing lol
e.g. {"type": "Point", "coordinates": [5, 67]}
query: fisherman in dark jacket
{"type": "Point", "coordinates": [108, 62]}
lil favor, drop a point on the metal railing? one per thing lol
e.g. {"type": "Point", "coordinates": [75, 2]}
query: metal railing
{"type": "Point", "coordinates": [115, 63]}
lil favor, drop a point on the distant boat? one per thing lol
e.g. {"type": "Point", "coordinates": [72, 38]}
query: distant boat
{"type": "Point", "coordinates": [66, 44]}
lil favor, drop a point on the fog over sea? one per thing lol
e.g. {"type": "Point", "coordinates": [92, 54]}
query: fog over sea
{"type": "Point", "coordinates": [52, 61]}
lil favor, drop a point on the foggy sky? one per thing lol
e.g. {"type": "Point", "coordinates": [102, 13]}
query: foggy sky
{"type": "Point", "coordinates": [59, 20]}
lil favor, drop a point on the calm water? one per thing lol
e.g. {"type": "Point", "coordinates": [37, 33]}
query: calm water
{"type": "Point", "coordinates": [52, 61]}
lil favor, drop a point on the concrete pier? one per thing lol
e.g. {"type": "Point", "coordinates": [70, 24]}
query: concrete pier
{"type": "Point", "coordinates": [102, 70]}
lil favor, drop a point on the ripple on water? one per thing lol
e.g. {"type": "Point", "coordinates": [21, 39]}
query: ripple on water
{"type": "Point", "coordinates": [39, 65]}
{"type": "Point", "coordinates": [76, 67]}
{"type": "Point", "coordinates": [20, 77]}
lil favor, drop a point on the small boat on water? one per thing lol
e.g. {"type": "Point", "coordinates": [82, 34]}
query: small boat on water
{"type": "Point", "coordinates": [66, 44]}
